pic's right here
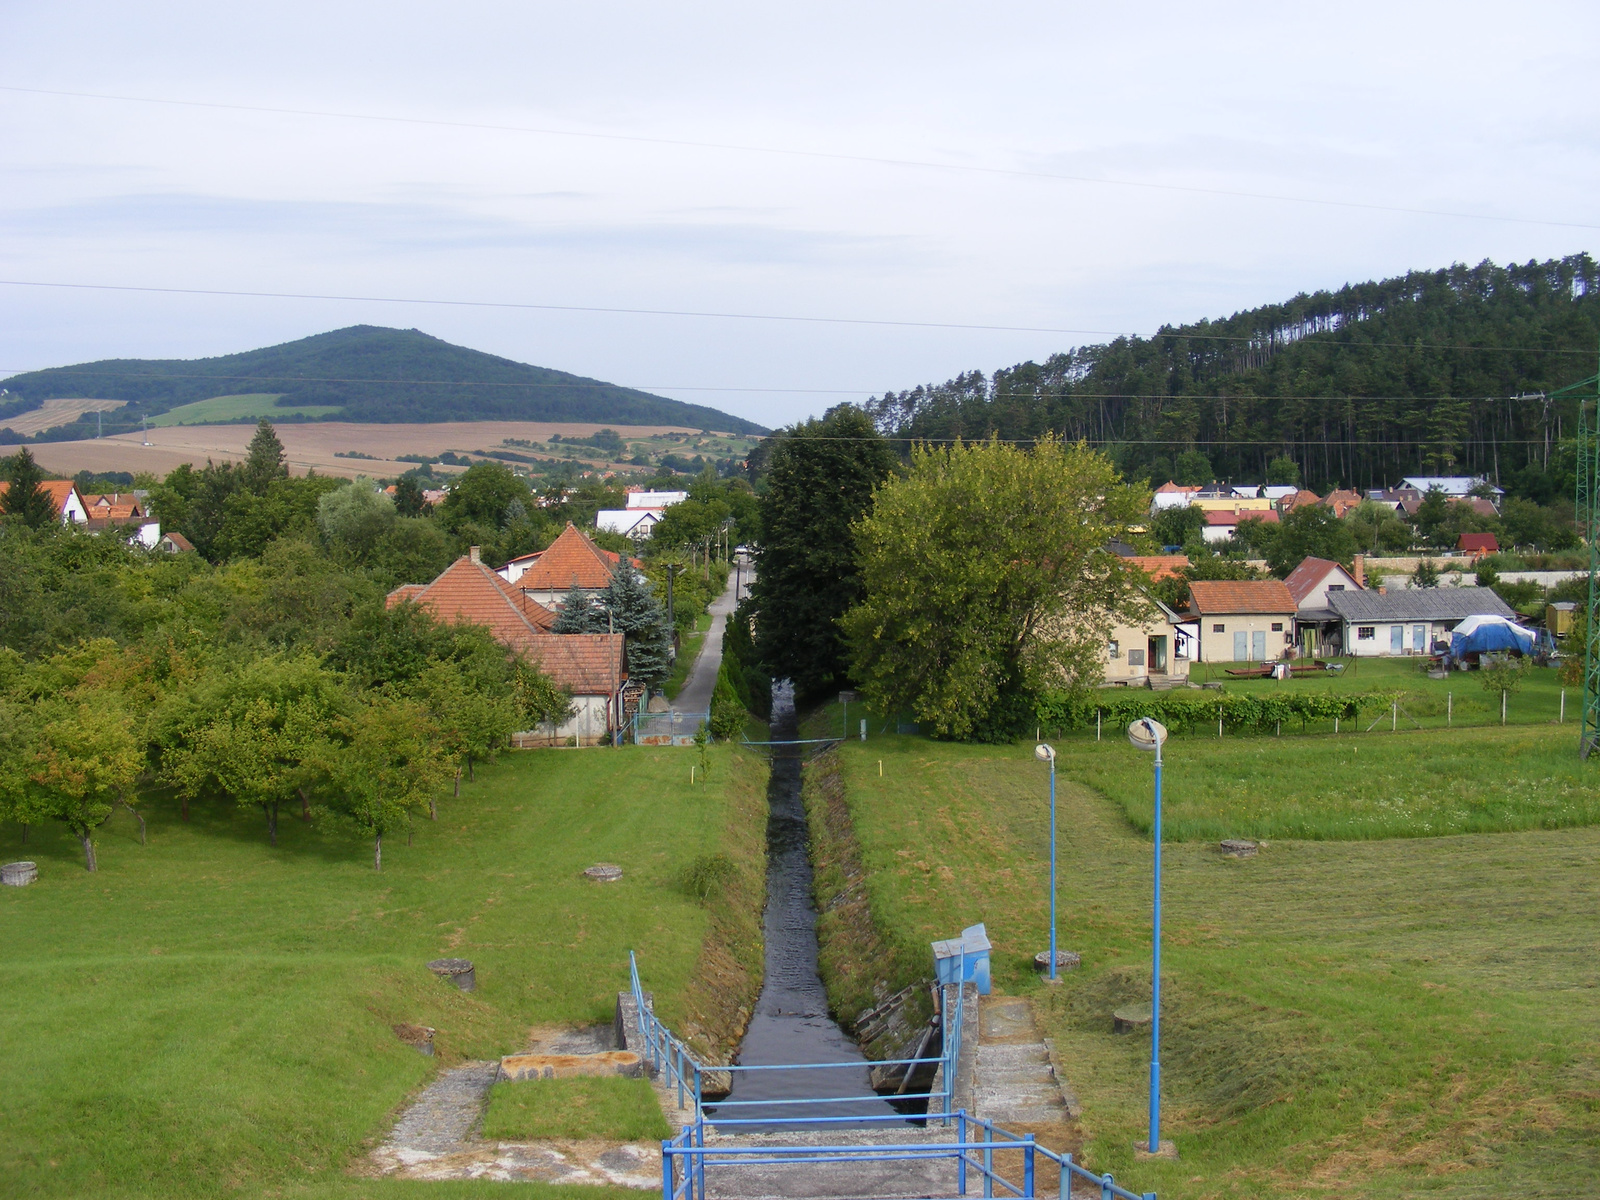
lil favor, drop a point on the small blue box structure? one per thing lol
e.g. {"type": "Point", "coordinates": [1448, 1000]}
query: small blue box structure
{"type": "Point", "coordinates": [964, 959]}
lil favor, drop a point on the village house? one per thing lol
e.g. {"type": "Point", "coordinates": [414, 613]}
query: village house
{"type": "Point", "coordinates": [1153, 652]}
{"type": "Point", "coordinates": [64, 496]}
{"type": "Point", "coordinates": [1222, 524]}
{"type": "Point", "coordinates": [1478, 544]}
{"type": "Point", "coordinates": [1318, 628]}
{"type": "Point", "coordinates": [1342, 501]}
{"type": "Point", "coordinates": [591, 666]}
{"type": "Point", "coordinates": [119, 510]}
{"type": "Point", "coordinates": [1411, 620]}
{"type": "Point", "coordinates": [572, 560]}
{"type": "Point", "coordinates": [1242, 620]}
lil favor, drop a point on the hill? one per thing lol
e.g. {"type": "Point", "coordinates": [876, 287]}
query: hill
{"type": "Point", "coordinates": [363, 373]}
{"type": "Point", "coordinates": [1427, 373]}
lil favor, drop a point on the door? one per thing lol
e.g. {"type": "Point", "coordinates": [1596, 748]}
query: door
{"type": "Point", "coordinates": [1419, 639]}
{"type": "Point", "coordinates": [1258, 646]}
{"type": "Point", "coordinates": [1397, 639]}
{"type": "Point", "coordinates": [1158, 654]}
{"type": "Point", "coordinates": [1241, 646]}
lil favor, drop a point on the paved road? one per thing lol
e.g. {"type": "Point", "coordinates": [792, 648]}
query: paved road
{"type": "Point", "coordinates": [696, 694]}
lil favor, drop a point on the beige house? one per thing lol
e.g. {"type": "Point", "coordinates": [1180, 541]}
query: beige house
{"type": "Point", "coordinates": [1242, 620]}
{"type": "Point", "coordinates": [1154, 652]}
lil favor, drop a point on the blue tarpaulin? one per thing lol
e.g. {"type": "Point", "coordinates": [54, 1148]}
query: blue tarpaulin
{"type": "Point", "coordinates": [1483, 635]}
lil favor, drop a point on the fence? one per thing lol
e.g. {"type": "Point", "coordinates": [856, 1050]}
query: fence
{"type": "Point", "coordinates": [972, 1152]}
{"type": "Point", "coordinates": [680, 1070]}
{"type": "Point", "coordinates": [667, 728]}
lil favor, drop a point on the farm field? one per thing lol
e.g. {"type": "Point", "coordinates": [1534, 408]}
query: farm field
{"type": "Point", "coordinates": [209, 1015]}
{"type": "Point", "coordinates": [231, 408]}
{"type": "Point", "coordinates": [1400, 1017]}
{"type": "Point", "coordinates": [56, 412]}
{"type": "Point", "coordinates": [310, 445]}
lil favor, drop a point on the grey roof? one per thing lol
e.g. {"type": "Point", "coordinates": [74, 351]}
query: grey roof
{"type": "Point", "coordinates": [1419, 604]}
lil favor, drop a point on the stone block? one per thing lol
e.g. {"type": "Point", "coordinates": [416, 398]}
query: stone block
{"type": "Point", "coordinates": [571, 1066]}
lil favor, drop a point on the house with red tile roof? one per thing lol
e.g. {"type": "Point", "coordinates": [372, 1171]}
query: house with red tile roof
{"type": "Point", "coordinates": [1314, 578]}
{"type": "Point", "coordinates": [1160, 566]}
{"type": "Point", "coordinates": [1222, 525]}
{"type": "Point", "coordinates": [68, 504]}
{"type": "Point", "coordinates": [590, 666]}
{"type": "Point", "coordinates": [571, 560]}
{"type": "Point", "coordinates": [1242, 620]}
{"type": "Point", "coordinates": [1342, 500]}
{"type": "Point", "coordinates": [1478, 544]}
{"type": "Point", "coordinates": [122, 510]}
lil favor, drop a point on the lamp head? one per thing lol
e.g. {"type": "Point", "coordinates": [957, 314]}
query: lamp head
{"type": "Point", "coordinates": [1044, 753]}
{"type": "Point", "coordinates": [1147, 733]}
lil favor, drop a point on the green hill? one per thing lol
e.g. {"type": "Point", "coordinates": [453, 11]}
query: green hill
{"type": "Point", "coordinates": [363, 373]}
{"type": "Point", "coordinates": [1432, 372]}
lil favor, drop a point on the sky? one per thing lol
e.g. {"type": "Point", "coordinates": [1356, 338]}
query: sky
{"type": "Point", "coordinates": [1067, 172]}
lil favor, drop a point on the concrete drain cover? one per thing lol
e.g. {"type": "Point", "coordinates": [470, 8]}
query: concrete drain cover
{"type": "Point", "coordinates": [604, 873]}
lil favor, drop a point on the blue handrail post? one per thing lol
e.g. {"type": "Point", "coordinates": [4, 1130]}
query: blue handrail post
{"type": "Point", "coordinates": [961, 1162]}
{"type": "Point", "coordinates": [680, 1076]}
{"type": "Point", "coordinates": [1105, 1187]}
{"type": "Point", "coordinates": [668, 1177]}
{"type": "Point", "coordinates": [1155, 977]}
{"type": "Point", "coordinates": [988, 1160]}
{"type": "Point", "coordinates": [1064, 1188]}
{"type": "Point", "coordinates": [1027, 1166]}
{"type": "Point", "coordinates": [699, 1187]}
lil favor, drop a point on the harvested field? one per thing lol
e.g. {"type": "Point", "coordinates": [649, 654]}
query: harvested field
{"type": "Point", "coordinates": [56, 412]}
{"type": "Point", "coordinates": [310, 445]}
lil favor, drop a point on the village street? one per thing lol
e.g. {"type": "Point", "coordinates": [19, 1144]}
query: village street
{"type": "Point", "coordinates": [696, 694]}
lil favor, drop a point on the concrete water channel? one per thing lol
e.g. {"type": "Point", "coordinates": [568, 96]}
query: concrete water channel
{"type": "Point", "coordinates": [791, 1024]}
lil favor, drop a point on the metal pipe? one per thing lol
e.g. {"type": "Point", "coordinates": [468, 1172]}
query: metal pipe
{"type": "Point", "coordinates": [961, 1164]}
{"type": "Point", "coordinates": [1053, 866]}
{"type": "Point", "coordinates": [1155, 976]}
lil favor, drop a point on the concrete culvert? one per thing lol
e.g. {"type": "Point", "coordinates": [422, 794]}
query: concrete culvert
{"type": "Point", "coordinates": [457, 970]}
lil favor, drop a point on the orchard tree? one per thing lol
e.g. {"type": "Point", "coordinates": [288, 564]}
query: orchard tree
{"type": "Point", "coordinates": [84, 761]}
{"type": "Point", "coordinates": [474, 721]}
{"type": "Point", "coordinates": [387, 764]}
{"type": "Point", "coordinates": [987, 582]}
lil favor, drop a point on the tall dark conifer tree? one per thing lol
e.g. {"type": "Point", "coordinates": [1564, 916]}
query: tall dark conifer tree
{"type": "Point", "coordinates": [820, 482]}
{"type": "Point", "coordinates": [24, 498]}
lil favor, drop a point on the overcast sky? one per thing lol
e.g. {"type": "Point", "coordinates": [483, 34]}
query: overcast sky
{"type": "Point", "coordinates": [1455, 108]}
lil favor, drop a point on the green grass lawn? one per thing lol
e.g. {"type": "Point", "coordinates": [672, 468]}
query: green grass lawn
{"type": "Point", "coordinates": [1403, 1017]}
{"type": "Point", "coordinates": [622, 1110]}
{"type": "Point", "coordinates": [1458, 699]}
{"type": "Point", "coordinates": [231, 408]}
{"type": "Point", "coordinates": [207, 1015]}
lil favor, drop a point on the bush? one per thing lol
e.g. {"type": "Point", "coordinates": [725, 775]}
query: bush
{"type": "Point", "coordinates": [706, 876]}
{"type": "Point", "coordinates": [1181, 713]}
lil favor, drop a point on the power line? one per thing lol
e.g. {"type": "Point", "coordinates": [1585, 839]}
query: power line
{"type": "Point", "coordinates": [749, 316]}
{"type": "Point", "coordinates": [639, 387]}
{"type": "Point", "coordinates": [824, 155]}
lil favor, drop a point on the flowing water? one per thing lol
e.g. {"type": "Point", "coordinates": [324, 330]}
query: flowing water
{"type": "Point", "coordinates": [791, 1022]}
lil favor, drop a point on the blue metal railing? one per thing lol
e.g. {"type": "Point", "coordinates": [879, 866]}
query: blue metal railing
{"type": "Point", "coordinates": [973, 1150]}
{"type": "Point", "coordinates": [680, 1070]}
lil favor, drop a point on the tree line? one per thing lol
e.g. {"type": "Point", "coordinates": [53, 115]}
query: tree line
{"type": "Point", "coordinates": [1433, 372]}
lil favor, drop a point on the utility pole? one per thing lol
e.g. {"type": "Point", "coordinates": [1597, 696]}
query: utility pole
{"type": "Point", "coordinates": [672, 616]}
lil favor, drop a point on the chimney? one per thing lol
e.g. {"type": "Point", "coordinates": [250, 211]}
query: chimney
{"type": "Point", "coordinates": [473, 555]}
{"type": "Point", "coordinates": [1360, 571]}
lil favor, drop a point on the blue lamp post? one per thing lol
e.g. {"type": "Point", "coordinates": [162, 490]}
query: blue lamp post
{"type": "Point", "coordinates": [1148, 734]}
{"type": "Point", "coordinates": [1046, 753]}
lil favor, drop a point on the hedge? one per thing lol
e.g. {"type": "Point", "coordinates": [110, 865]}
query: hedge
{"type": "Point", "coordinates": [1181, 711]}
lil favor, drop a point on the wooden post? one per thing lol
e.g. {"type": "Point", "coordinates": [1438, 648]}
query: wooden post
{"type": "Point", "coordinates": [1394, 716]}
{"type": "Point", "coordinates": [1502, 706]}
{"type": "Point", "coordinates": [1449, 708]}
{"type": "Point", "coordinates": [1336, 725]}
{"type": "Point", "coordinates": [880, 768]}
{"type": "Point", "coordinates": [1097, 724]}
{"type": "Point", "coordinates": [1561, 720]}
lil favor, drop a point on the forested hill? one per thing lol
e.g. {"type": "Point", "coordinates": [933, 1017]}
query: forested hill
{"type": "Point", "coordinates": [1419, 374]}
{"type": "Point", "coordinates": [369, 374]}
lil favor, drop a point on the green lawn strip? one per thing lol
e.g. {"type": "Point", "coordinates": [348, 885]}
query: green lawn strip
{"type": "Point", "coordinates": [687, 653]}
{"type": "Point", "coordinates": [1457, 699]}
{"type": "Point", "coordinates": [207, 1013]}
{"type": "Point", "coordinates": [1375, 1018]}
{"type": "Point", "coordinates": [232, 408]}
{"type": "Point", "coordinates": [619, 1110]}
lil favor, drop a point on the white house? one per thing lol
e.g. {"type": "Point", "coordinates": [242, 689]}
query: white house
{"type": "Point", "coordinates": [1378, 625]}
{"type": "Point", "coordinates": [629, 522]}
{"type": "Point", "coordinates": [655, 499]}
{"type": "Point", "coordinates": [64, 496]}
{"type": "Point", "coordinates": [1453, 486]}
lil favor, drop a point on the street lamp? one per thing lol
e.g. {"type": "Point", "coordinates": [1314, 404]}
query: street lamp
{"type": "Point", "coordinates": [1047, 753]}
{"type": "Point", "coordinates": [1148, 734]}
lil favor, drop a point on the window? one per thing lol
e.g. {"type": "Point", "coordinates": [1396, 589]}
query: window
{"type": "Point", "coordinates": [1219, 629]}
{"type": "Point", "coordinates": [1136, 658]}
{"type": "Point", "coordinates": [1365, 633]}
{"type": "Point", "coordinates": [1277, 627]}
{"type": "Point", "coordinates": [1113, 649]}
{"type": "Point", "coordinates": [1336, 587]}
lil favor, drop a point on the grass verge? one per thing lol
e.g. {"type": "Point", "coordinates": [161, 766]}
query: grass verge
{"type": "Point", "coordinates": [1374, 1018]}
{"type": "Point", "coordinates": [613, 1110]}
{"type": "Point", "coordinates": [208, 1014]}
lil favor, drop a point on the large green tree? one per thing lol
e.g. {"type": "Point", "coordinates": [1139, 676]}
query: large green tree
{"type": "Point", "coordinates": [25, 500]}
{"type": "Point", "coordinates": [987, 581]}
{"type": "Point", "coordinates": [84, 760]}
{"type": "Point", "coordinates": [820, 481]}
{"type": "Point", "coordinates": [387, 764]}
{"type": "Point", "coordinates": [1310, 531]}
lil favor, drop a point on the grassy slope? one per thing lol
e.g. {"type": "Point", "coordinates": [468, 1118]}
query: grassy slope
{"type": "Point", "coordinates": [231, 408]}
{"type": "Point", "coordinates": [623, 1110]}
{"type": "Point", "coordinates": [209, 1014]}
{"type": "Point", "coordinates": [1376, 1018]}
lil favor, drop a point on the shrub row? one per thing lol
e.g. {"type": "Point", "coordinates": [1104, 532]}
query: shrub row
{"type": "Point", "coordinates": [1181, 711]}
